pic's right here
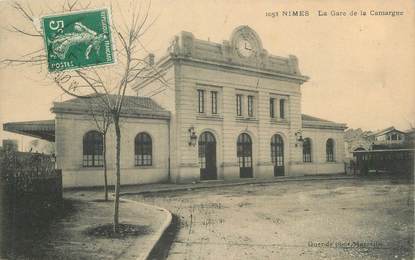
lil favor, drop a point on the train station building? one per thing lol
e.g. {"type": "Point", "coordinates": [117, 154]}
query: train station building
{"type": "Point", "coordinates": [232, 110]}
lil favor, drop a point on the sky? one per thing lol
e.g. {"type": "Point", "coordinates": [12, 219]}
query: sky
{"type": "Point", "coordinates": [361, 68]}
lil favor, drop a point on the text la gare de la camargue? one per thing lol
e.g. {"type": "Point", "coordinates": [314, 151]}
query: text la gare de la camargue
{"type": "Point", "coordinates": [337, 13]}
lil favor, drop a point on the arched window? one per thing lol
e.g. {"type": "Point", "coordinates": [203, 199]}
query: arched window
{"type": "Point", "coordinates": [277, 150]}
{"type": "Point", "coordinates": [92, 149]}
{"type": "Point", "coordinates": [244, 154]}
{"type": "Point", "coordinates": [330, 150]}
{"type": "Point", "coordinates": [207, 156]}
{"type": "Point", "coordinates": [307, 150]}
{"type": "Point", "coordinates": [205, 139]}
{"type": "Point", "coordinates": [277, 154]}
{"type": "Point", "coordinates": [143, 150]}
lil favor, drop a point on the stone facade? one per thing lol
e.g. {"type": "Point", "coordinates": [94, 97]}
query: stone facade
{"type": "Point", "coordinates": [71, 125]}
{"type": "Point", "coordinates": [201, 99]}
{"type": "Point", "coordinates": [194, 65]}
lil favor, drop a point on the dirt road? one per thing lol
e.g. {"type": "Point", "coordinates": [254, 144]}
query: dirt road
{"type": "Point", "coordinates": [337, 219]}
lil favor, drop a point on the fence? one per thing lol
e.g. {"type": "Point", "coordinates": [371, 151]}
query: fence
{"type": "Point", "coordinates": [30, 190]}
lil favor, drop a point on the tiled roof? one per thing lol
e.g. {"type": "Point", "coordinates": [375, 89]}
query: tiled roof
{"type": "Point", "coordinates": [315, 122]}
{"type": "Point", "coordinates": [410, 131]}
{"type": "Point", "coordinates": [313, 118]}
{"type": "Point", "coordinates": [385, 130]}
{"type": "Point", "coordinates": [132, 106]}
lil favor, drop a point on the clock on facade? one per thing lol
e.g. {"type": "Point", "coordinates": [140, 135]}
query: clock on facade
{"type": "Point", "coordinates": [245, 48]}
{"type": "Point", "coordinates": [245, 42]}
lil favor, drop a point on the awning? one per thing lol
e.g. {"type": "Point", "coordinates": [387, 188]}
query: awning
{"type": "Point", "coordinates": [43, 129]}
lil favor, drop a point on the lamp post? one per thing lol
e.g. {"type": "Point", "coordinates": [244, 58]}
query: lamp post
{"type": "Point", "coordinates": [299, 137]}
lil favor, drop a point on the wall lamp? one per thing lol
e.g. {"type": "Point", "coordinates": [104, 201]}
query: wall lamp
{"type": "Point", "coordinates": [299, 137]}
{"type": "Point", "coordinates": [192, 136]}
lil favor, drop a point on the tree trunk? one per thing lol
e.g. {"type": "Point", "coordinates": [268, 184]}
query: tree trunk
{"type": "Point", "coordinates": [104, 153]}
{"type": "Point", "coordinates": [117, 164]}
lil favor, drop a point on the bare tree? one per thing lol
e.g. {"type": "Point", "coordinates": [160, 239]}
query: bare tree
{"type": "Point", "coordinates": [102, 120]}
{"type": "Point", "coordinates": [106, 85]}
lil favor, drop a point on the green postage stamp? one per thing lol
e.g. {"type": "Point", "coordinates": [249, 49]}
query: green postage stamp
{"type": "Point", "coordinates": [78, 39]}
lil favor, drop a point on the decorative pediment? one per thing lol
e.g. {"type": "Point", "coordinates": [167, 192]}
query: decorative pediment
{"type": "Point", "coordinates": [244, 50]}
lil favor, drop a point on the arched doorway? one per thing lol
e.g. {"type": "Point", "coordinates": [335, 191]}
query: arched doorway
{"type": "Point", "coordinates": [244, 153]}
{"type": "Point", "coordinates": [277, 154]}
{"type": "Point", "coordinates": [207, 156]}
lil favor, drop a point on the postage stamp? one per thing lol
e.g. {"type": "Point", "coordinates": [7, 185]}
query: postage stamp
{"type": "Point", "coordinates": [78, 39]}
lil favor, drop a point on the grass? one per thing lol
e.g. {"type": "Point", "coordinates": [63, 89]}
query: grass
{"type": "Point", "coordinates": [124, 230]}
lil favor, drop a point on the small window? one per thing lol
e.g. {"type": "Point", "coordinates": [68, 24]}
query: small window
{"type": "Point", "coordinates": [272, 107]}
{"type": "Point", "coordinates": [282, 108]}
{"type": "Point", "coordinates": [239, 105]}
{"type": "Point", "coordinates": [93, 149]}
{"type": "Point", "coordinates": [307, 150]}
{"type": "Point", "coordinates": [251, 106]}
{"type": "Point", "coordinates": [143, 150]}
{"type": "Point", "coordinates": [330, 150]}
{"type": "Point", "coordinates": [214, 95]}
{"type": "Point", "coordinates": [201, 100]}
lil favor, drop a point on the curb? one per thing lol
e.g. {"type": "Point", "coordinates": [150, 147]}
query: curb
{"type": "Point", "coordinates": [157, 236]}
{"type": "Point", "coordinates": [265, 181]}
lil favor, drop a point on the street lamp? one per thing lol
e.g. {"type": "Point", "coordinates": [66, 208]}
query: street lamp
{"type": "Point", "coordinates": [299, 137]}
{"type": "Point", "coordinates": [192, 136]}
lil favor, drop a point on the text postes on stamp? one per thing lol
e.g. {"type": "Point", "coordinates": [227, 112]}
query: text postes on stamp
{"type": "Point", "coordinates": [78, 39]}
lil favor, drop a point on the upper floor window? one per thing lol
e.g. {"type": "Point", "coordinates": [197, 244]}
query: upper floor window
{"type": "Point", "coordinates": [239, 105]}
{"type": "Point", "coordinates": [272, 107]}
{"type": "Point", "coordinates": [330, 150]}
{"type": "Point", "coordinates": [250, 106]}
{"type": "Point", "coordinates": [143, 150]}
{"type": "Point", "coordinates": [92, 149]}
{"type": "Point", "coordinates": [201, 100]}
{"type": "Point", "coordinates": [214, 96]}
{"type": "Point", "coordinates": [307, 150]}
{"type": "Point", "coordinates": [282, 108]}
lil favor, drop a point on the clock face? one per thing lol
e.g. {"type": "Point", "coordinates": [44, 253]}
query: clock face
{"type": "Point", "coordinates": [245, 48]}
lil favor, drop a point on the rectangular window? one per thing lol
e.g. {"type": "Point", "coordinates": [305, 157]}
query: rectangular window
{"type": "Point", "coordinates": [251, 106]}
{"type": "Point", "coordinates": [272, 107]}
{"type": "Point", "coordinates": [214, 102]}
{"type": "Point", "coordinates": [282, 108]}
{"type": "Point", "coordinates": [239, 105]}
{"type": "Point", "coordinates": [201, 100]}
